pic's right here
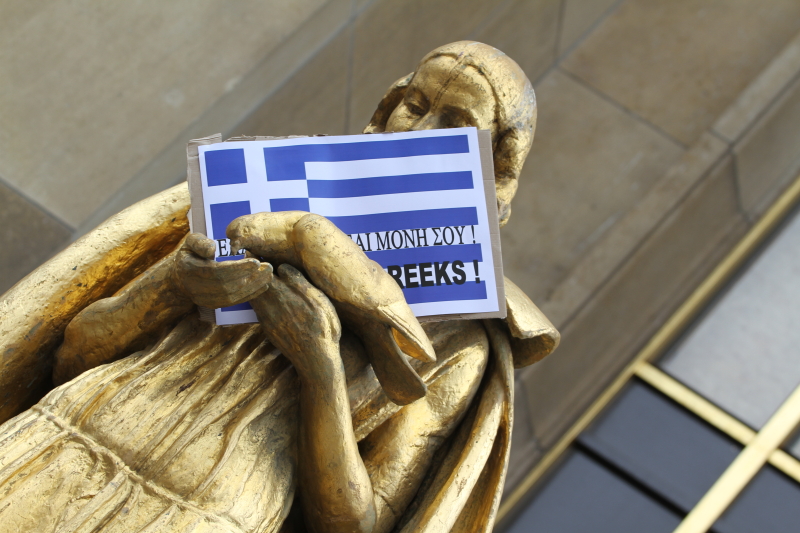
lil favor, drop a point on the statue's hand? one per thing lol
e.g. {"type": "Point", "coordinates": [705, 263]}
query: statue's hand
{"type": "Point", "coordinates": [337, 266]}
{"type": "Point", "coordinates": [368, 300]}
{"type": "Point", "coordinates": [301, 322]}
{"type": "Point", "coordinates": [217, 284]}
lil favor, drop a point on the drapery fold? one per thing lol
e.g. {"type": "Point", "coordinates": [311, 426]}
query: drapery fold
{"type": "Point", "coordinates": [197, 432]}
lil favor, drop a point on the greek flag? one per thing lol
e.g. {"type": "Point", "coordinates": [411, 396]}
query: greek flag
{"type": "Point", "coordinates": [414, 202]}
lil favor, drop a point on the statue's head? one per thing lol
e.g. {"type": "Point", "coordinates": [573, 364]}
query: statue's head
{"type": "Point", "coordinates": [467, 84]}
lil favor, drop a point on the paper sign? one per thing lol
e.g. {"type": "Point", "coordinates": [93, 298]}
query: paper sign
{"type": "Point", "coordinates": [415, 202]}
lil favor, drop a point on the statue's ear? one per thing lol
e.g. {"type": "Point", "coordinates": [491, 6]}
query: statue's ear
{"type": "Point", "coordinates": [510, 152]}
{"type": "Point", "coordinates": [389, 102]}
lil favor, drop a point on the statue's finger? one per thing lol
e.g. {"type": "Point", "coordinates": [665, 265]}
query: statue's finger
{"type": "Point", "coordinates": [267, 235]}
{"type": "Point", "coordinates": [262, 275]}
{"type": "Point", "coordinates": [201, 245]}
{"type": "Point", "coordinates": [193, 266]}
{"type": "Point", "coordinates": [243, 272]}
{"type": "Point", "coordinates": [236, 268]}
{"type": "Point", "coordinates": [277, 302]}
{"type": "Point", "coordinates": [224, 271]}
{"type": "Point", "coordinates": [339, 267]}
{"type": "Point", "coordinates": [244, 288]}
{"type": "Point", "coordinates": [293, 277]}
{"type": "Point", "coordinates": [290, 291]}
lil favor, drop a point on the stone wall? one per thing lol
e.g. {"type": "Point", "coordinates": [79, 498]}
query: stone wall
{"type": "Point", "coordinates": [620, 290]}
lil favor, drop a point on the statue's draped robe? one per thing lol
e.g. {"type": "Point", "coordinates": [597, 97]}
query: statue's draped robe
{"type": "Point", "coordinates": [197, 432]}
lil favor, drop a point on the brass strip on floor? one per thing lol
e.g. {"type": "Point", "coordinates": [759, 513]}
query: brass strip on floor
{"type": "Point", "coordinates": [786, 464]}
{"type": "Point", "coordinates": [561, 446]}
{"type": "Point", "coordinates": [712, 414]}
{"type": "Point", "coordinates": [744, 467]}
{"type": "Point", "coordinates": [673, 327]}
{"type": "Point", "coordinates": [695, 403]}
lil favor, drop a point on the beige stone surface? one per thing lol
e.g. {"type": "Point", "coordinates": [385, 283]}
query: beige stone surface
{"type": "Point", "coordinates": [590, 163]}
{"type": "Point", "coordinates": [680, 64]}
{"type": "Point", "coordinates": [613, 248]}
{"type": "Point", "coordinates": [526, 31]}
{"type": "Point", "coordinates": [768, 157]}
{"type": "Point", "coordinates": [100, 88]}
{"type": "Point", "coordinates": [168, 167]}
{"type": "Point", "coordinates": [28, 235]}
{"type": "Point", "coordinates": [361, 4]}
{"type": "Point", "coordinates": [312, 101]}
{"type": "Point", "coordinates": [634, 302]}
{"type": "Point", "coordinates": [392, 35]}
{"type": "Point", "coordinates": [761, 93]}
{"type": "Point", "coordinates": [578, 17]}
{"type": "Point", "coordinates": [525, 450]}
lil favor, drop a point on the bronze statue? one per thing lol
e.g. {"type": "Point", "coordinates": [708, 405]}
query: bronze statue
{"type": "Point", "coordinates": [167, 423]}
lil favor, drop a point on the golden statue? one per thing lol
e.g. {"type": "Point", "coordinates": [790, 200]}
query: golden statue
{"type": "Point", "coordinates": [162, 422]}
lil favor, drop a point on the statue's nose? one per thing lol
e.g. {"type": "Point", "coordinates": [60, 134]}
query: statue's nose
{"type": "Point", "coordinates": [429, 122]}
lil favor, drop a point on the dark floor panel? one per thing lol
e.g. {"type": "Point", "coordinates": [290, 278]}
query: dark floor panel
{"type": "Point", "coordinates": [585, 497]}
{"type": "Point", "coordinates": [661, 445]}
{"type": "Point", "coordinates": [770, 503]}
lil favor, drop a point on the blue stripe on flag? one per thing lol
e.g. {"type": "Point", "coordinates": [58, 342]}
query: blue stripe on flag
{"type": "Point", "coordinates": [435, 181]}
{"type": "Point", "coordinates": [436, 254]}
{"type": "Point", "coordinates": [429, 218]}
{"type": "Point", "coordinates": [446, 293]}
{"type": "Point", "coordinates": [289, 162]}
{"type": "Point", "coordinates": [225, 167]}
{"type": "Point", "coordinates": [289, 204]}
{"type": "Point", "coordinates": [223, 214]}
{"type": "Point", "coordinates": [238, 307]}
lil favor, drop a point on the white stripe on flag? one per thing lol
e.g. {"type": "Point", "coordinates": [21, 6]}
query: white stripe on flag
{"type": "Point", "coordinates": [398, 166]}
{"type": "Point", "coordinates": [368, 205]}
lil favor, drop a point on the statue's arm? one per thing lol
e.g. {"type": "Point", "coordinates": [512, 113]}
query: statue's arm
{"type": "Point", "coordinates": [36, 311]}
{"type": "Point", "coordinates": [134, 317]}
{"type": "Point", "coordinates": [341, 491]}
{"type": "Point", "coordinates": [125, 322]}
{"type": "Point", "coordinates": [301, 322]}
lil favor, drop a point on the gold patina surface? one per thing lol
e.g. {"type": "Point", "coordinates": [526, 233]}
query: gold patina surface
{"type": "Point", "coordinates": [337, 412]}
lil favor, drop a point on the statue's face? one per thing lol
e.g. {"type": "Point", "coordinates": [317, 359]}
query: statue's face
{"type": "Point", "coordinates": [442, 96]}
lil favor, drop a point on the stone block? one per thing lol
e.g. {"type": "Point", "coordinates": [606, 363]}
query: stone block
{"type": "Point", "coordinates": [28, 236]}
{"type": "Point", "coordinates": [628, 309]}
{"type": "Point", "coordinates": [101, 89]}
{"type": "Point", "coordinates": [168, 167]}
{"type": "Point", "coordinates": [525, 450]}
{"type": "Point", "coordinates": [590, 163]}
{"type": "Point", "coordinates": [526, 31]}
{"type": "Point", "coordinates": [760, 94]}
{"type": "Point", "coordinates": [614, 247]}
{"type": "Point", "coordinates": [310, 102]}
{"type": "Point", "coordinates": [679, 65]}
{"type": "Point", "coordinates": [768, 156]}
{"type": "Point", "coordinates": [392, 36]}
{"type": "Point", "coordinates": [578, 17]}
